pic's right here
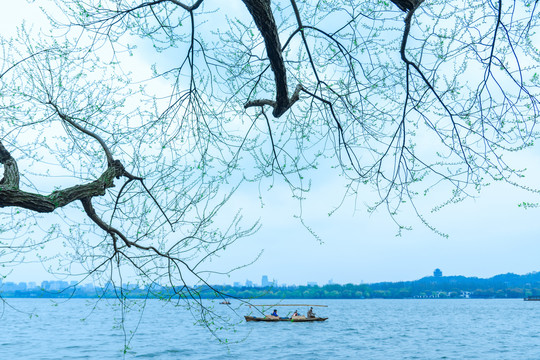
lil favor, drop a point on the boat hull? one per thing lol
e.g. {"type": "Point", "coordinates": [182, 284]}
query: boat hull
{"type": "Point", "coordinates": [253, 318]}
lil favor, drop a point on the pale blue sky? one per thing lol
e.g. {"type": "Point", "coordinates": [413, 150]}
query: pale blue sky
{"type": "Point", "coordinates": [487, 236]}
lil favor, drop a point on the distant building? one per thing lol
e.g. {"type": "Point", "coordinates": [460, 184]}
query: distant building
{"type": "Point", "coordinates": [331, 282]}
{"type": "Point", "coordinates": [311, 283]}
{"type": "Point", "coordinates": [249, 283]}
{"type": "Point", "coordinates": [236, 284]}
{"type": "Point", "coordinates": [57, 285]}
{"type": "Point", "coordinates": [9, 286]}
{"type": "Point", "coordinates": [45, 285]}
{"type": "Point", "coordinates": [437, 273]}
{"type": "Point", "coordinates": [264, 281]}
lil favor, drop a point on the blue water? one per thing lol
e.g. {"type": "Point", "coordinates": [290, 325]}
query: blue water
{"type": "Point", "coordinates": [356, 329]}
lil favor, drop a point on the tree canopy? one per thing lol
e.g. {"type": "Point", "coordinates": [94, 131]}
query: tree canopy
{"type": "Point", "coordinates": [133, 122]}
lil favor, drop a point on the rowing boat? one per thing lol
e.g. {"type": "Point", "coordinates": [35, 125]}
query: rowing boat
{"type": "Point", "coordinates": [275, 319]}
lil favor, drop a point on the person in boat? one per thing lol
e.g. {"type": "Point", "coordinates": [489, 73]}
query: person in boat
{"type": "Point", "coordinates": [310, 313]}
{"type": "Point", "coordinates": [295, 313]}
{"type": "Point", "coordinates": [275, 313]}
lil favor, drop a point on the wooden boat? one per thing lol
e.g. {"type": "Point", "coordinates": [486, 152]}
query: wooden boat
{"type": "Point", "coordinates": [532, 298]}
{"type": "Point", "coordinates": [276, 319]}
{"type": "Point", "coordinates": [225, 302]}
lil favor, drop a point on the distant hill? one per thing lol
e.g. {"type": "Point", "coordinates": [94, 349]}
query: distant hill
{"type": "Point", "coordinates": [504, 285]}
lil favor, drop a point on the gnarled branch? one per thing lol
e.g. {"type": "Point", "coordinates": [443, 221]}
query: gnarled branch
{"type": "Point", "coordinates": [261, 13]}
{"type": "Point", "coordinates": [11, 172]}
{"type": "Point", "coordinates": [11, 195]}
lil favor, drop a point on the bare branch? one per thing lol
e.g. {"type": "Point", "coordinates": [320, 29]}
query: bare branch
{"type": "Point", "coordinates": [70, 121]}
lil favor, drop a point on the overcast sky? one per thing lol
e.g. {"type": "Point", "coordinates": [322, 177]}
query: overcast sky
{"type": "Point", "coordinates": [488, 235]}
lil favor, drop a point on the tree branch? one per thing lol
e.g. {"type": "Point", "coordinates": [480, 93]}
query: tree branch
{"type": "Point", "coordinates": [10, 195]}
{"type": "Point", "coordinates": [70, 121]}
{"type": "Point", "coordinates": [406, 5]}
{"type": "Point", "coordinates": [89, 209]}
{"type": "Point", "coordinates": [261, 13]}
{"type": "Point", "coordinates": [11, 172]}
{"type": "Point", "coordinates": [188, 8]}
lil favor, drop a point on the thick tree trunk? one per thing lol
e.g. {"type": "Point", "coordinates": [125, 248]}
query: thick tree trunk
{"type": "Point", "coordinates": [405, 5]}
{"type": "Point", "coordinates": [261, 12]}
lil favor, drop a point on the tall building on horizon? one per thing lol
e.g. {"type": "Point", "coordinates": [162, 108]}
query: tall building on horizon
{"type": "Point", "coordinates": [264, 281]}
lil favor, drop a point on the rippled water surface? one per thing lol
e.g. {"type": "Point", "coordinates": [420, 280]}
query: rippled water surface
{"type": "Point", "coordinates": [366, 329]}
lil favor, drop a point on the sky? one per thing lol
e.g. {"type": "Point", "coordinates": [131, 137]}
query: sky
{"type": "Point", "coordinates": [488, 235]}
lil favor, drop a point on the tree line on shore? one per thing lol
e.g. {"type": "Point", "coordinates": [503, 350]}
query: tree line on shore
{"type": "Point", "coordinates": [500, 286]}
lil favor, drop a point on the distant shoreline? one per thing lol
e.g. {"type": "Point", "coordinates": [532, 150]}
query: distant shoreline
{"type": "Point", "coordinates": [509, 286]}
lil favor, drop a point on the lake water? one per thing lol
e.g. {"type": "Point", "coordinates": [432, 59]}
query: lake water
{"type": "Point", "coordinates": [356, 329]}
